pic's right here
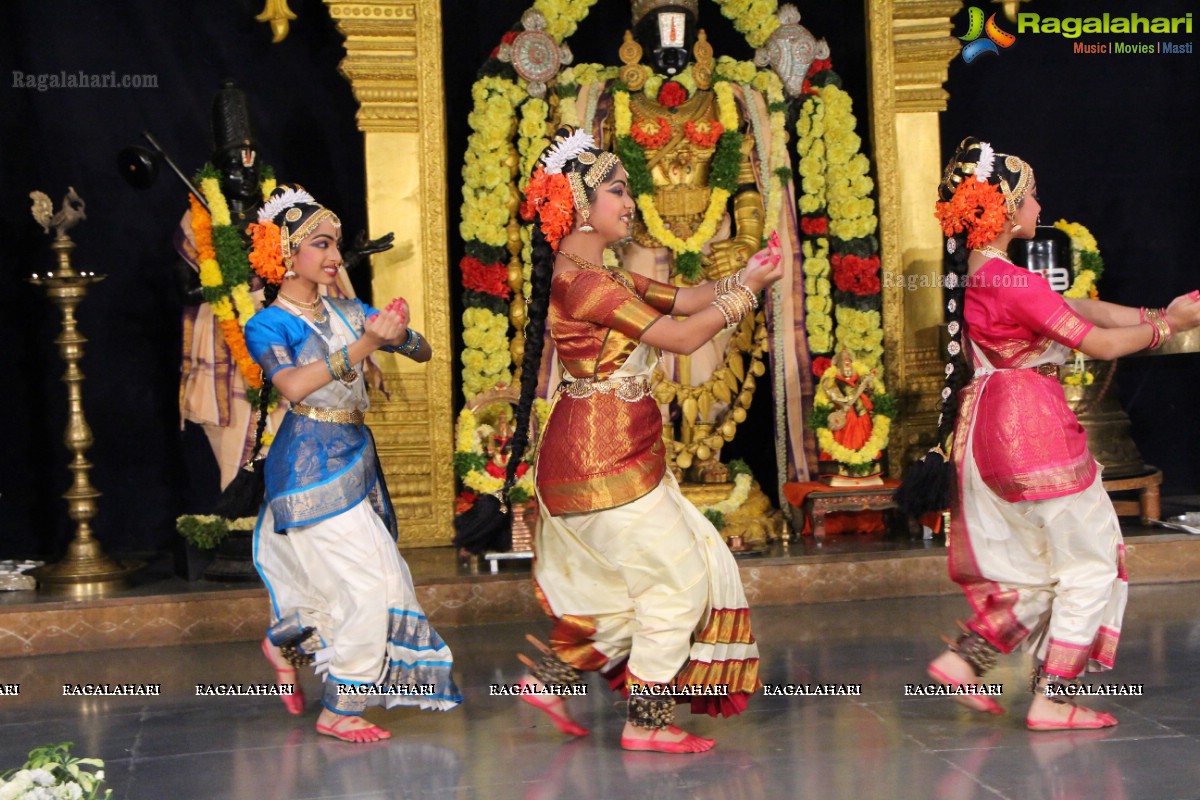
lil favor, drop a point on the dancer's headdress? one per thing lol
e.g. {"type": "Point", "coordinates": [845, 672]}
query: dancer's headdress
{"type": "Point", "coordinates": [979, 189]}
{"type": "Point", "coordinates": [566, 170]}
{"type": "Point", "coordinates": [284, 220]}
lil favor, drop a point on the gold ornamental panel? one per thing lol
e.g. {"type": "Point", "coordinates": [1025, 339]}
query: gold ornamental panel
{"type": "Point", "coordinates": [910, 46]}
{"type": "Point", "coordinates": [394, 65]}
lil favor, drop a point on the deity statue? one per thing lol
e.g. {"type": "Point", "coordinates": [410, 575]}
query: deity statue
{"type": "Point", "coordinates": [215, 376]}
{"type": "Point", "coordinates": [851, 422]}
{"type": "Point", "coordinates": [701, 158]}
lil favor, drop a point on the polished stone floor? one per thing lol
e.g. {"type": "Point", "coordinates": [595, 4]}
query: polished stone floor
{"type": "Point", "coordinates": [880, 745]}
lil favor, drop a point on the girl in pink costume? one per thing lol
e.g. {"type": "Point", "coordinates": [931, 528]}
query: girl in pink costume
{"type": "Point", "coordinates": [1034, 542]}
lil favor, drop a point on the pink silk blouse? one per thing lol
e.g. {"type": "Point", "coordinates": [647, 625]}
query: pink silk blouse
{"type": "Point", "coordinates": [1026, 441]}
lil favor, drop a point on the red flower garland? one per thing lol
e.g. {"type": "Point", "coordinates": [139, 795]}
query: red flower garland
{"type": "Point", "coordinates": [486, 278]}
{"type": "Point", "coordinates": [672, 94]}
{"type": "Point", "coordinates": [856, 275]}
{"type": "Point", "coordinates": [820, 364]}
{"type": "Point", "coordinates": [814, 226]}
{"type": "Point", "coordinates": [651, 134]}
{"type": "Point", "coordinates": [704, 133]}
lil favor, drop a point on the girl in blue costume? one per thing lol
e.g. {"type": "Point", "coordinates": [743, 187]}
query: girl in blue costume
{"type": "Point", "coordinates": [341, 595]}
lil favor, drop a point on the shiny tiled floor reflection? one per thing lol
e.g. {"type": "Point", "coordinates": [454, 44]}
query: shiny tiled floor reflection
{"type": "Point", "coordinates": [879, 745]}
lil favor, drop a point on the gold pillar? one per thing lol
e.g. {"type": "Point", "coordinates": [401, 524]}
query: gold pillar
{"type": "Point", "coordinates": [910, 50]}
{"type": "Point", "coordinates": [394, 65]}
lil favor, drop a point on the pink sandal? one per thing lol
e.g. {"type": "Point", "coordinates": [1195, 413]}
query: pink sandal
{"type": "Point", "coordinates": [371, 733]}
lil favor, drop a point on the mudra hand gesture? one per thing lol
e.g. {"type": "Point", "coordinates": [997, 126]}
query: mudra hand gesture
{"type": "Point", "coordinates": [1184, 312]}
{"type": "Point", "coordinates": [390, 326]}
{"type": "Point", "coordinates": [764, 267]}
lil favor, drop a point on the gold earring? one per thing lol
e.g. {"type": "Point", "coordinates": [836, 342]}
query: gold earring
{"type": "Point", "coordinates": [290, 273]}
{"type": "Point", "coordinates": [586, 228]}
{"type": "Point", "coordinates": [1015, 228]}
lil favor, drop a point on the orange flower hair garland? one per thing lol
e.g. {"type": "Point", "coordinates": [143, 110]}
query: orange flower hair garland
{"type": "Point", "coordinates": [266, 253]}
{"type": "Point", "coordinates": [550, 197]}
{"type": "Point", "coordinates": [977, 208]}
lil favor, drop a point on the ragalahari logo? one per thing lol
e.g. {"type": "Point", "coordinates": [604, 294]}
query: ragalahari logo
{"type": "Point", "coordinates": [996, 39]}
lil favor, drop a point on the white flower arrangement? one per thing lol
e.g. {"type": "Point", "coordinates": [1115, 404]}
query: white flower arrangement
{"type": "Point", "coordinates": [737, 497]}
{"type": "Point", "coordinates": [52, 774]}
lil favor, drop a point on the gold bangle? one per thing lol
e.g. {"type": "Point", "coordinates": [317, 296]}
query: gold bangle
{"type": "Point", "coordinates": [742, 299]}
{"type": "Point", "coordinates": [732, 307]}
{"type": "Point", "coordinates": [751, 296]}
{"type": "Point", "coordinates": [725, 312]}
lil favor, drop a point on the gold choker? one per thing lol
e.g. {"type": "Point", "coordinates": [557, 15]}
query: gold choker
{"type": "Point", "coordinates": [994, 252]}
{"type": "Point", "coordinates": [316, 307]}
{"type": "Point", "coordinates": [585, 264]}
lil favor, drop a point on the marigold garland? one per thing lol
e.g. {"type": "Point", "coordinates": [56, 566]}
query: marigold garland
{"type": "Point", "coordinates": [703, 133]}
{"type": "Point", "coordinates": [652, 133]}
{"type": "Point", "coordinates": [550, 197]}
{"type": "Point", "coordinates": [225, 268]}
{"type": "Point", "coordinates": [266, 255]}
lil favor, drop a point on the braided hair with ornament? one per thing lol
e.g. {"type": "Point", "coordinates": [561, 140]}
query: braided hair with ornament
{"type": "Point", "coordinates": [978, 196]}
{"type": "Point", "coordinates": [562, 187]}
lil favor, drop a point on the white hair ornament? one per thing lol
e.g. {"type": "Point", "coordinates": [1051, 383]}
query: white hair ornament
{"type": "Point", "coordinates": [564, 151]}
{"type": "Point", "coordinates": [289, 198]}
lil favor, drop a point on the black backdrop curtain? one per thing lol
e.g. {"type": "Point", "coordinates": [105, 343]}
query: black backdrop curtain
{"type": "Point", "coordinates": [303, 112]}
{"type": "Point", "coordinates": [1109, 139]}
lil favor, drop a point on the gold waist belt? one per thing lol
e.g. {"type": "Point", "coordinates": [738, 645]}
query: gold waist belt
{"type": "Point", "coordinates": [345, 416]}
{"type": "Point", "coordinates": [681, 201]}
{"type": "Point", "coordinates": [630, 389]}
{"type": "Point", "coordinates": [1046, 369]}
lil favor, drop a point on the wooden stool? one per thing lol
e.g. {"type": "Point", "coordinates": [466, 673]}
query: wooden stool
{"type": "Point", "coordinates": [818, 504]}
{"type": "Point", "coordinates": [1149, 503]}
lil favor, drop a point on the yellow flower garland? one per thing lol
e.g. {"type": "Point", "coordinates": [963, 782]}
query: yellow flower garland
{"type": "Point", "coordinates": [754, 19]}
{"type": "Point", "coordinates": [833, 175]}
{"type": "Point", "coordinates": [881, 424]}
{"type": "Point", "coordinates": [728, 116]}
{"type": "Point", "coordinates": [485, 357]}
{"type": "Point", "coordinates": [1082, 240]}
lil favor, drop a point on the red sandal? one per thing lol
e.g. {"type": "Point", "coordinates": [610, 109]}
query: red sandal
{"type": "Point", "coordinates": [563, 723]}
{"type": "Point", "coordinates": [294, 702]}
{"type": "Point", "coordinates": [1101, 720]}
{"type": "Point", "coordinates": [986, 704]}
{"type": "Point", "coordinates": [688, 744]}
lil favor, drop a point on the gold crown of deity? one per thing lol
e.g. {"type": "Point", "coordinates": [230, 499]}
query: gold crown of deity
{"type": "Point", "coordinates": [643, 7]}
